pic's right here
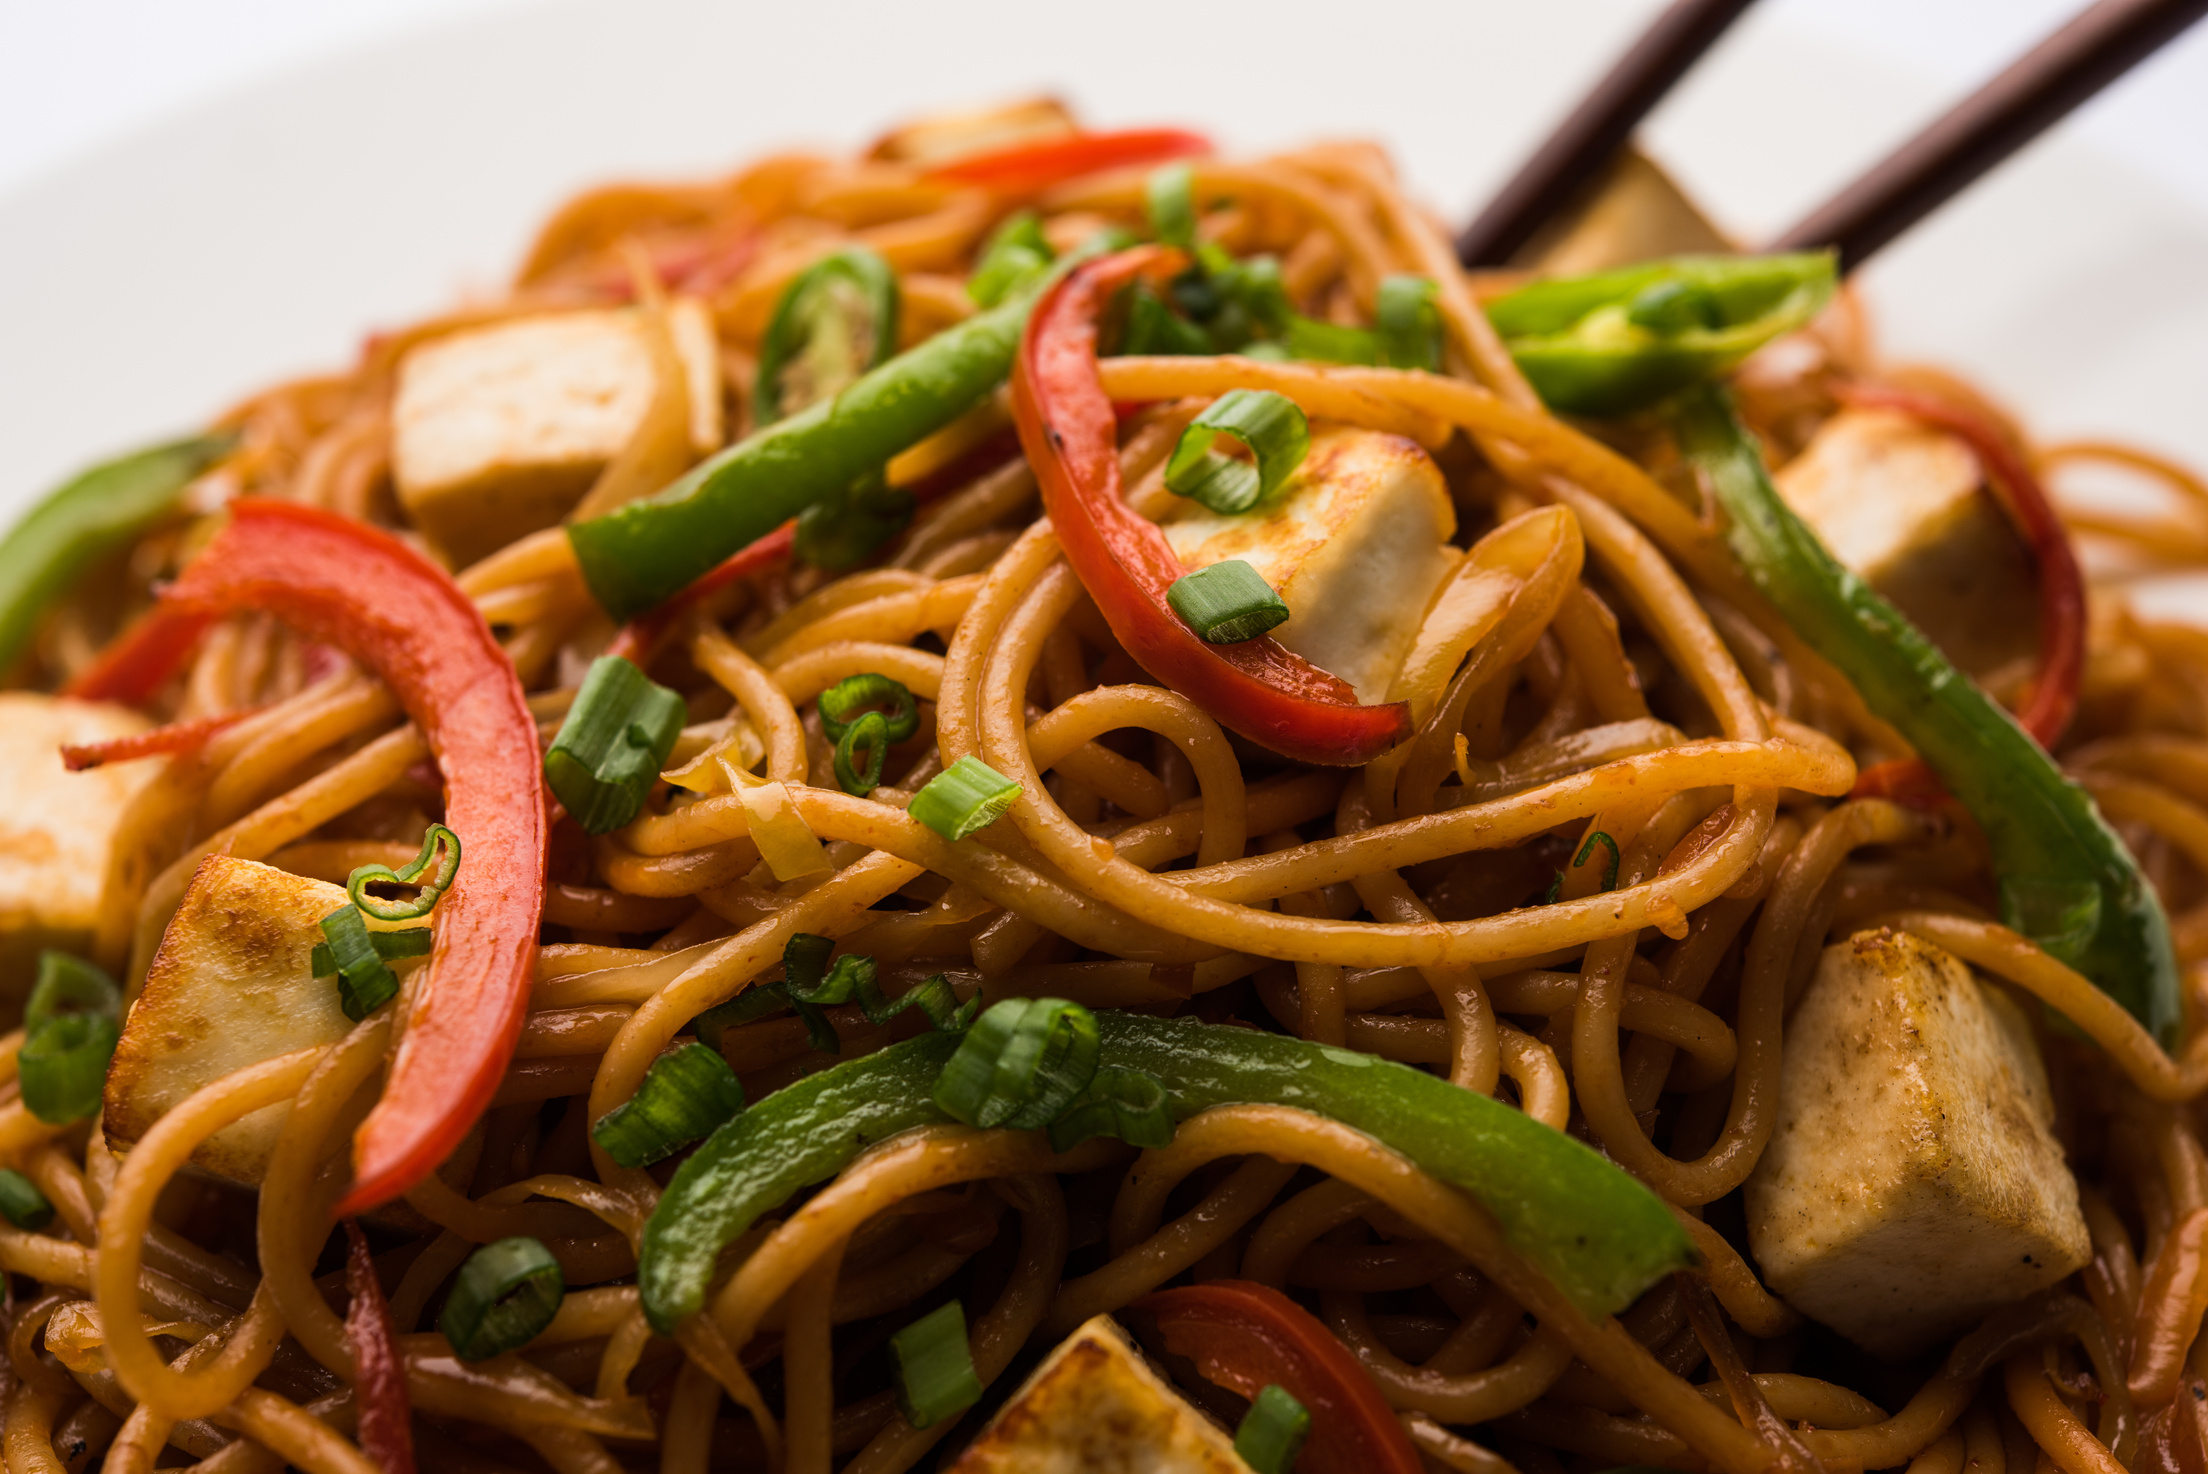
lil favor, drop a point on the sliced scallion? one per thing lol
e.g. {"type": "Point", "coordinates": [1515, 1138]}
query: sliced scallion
{"type": "Point", "coordinates": [810, 985]}
{"type": "Point", "coordinates": [1272, 1431]}
{"type": "Point", "coordinates": [505, 1294]}
{"type": "Point", "coordinates": [869, 734]}
{"type": "Point", "coordinates": [1015, 252]}
{"type": "Point", "coordinates": [1170, 194]}
{"type": "Point", "coordinates": [935, 1367]}
{"type": "Point", "coordinates": [21, 1201]}
{"type": "Point", "coordinates": [1227, 603]}
{"type": "Point", "coordinates": [853, 696]}
{"type": "Point", "coordinates": [1269, 425]}
{"type": "Point", "coordinates": [686, 1094]}
{"type": "Point", "coordinates": [1021, 1064]}
{"type": "Point", "coordinates": [364, 982]}
{"type": "Point", "coordinates": [1154, 329]}
{"type": "Point", "coordinates": [1326, 342]}
{"type": "Point", "coordinates": [441, 847]}
{"type": "Point", "coordinates": [613, 743]}
{"type": "Point", "coordinates": [1408, 323]}
{"type": "Point", "coordinates": [70, 1034]}
{"type": "Point", "coordinates": [391, 946]}
{"type": "Point", "coordinates": [967, 796]}
{"type": "Point", "coordinates": [1130, 1105]}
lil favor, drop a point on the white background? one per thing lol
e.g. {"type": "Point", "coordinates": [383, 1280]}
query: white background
{"type": "Point", "coordinates": [198, 196]}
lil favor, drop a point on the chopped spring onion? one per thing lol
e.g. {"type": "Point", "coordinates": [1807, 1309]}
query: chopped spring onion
{"type": "Point", "coordinates": [70, 1035]}
{"type": "Point", "coordinates": [364, 982]}
{"type": "Point", "coordinates": [1408, 323]}
{"type": "Point", "coordinates": [686, 1093]}
{"type": "Point", "coordinates": [967, 796]}
{"type": "Point", "coordinates": [1272, 428]}
{"type": "Point", "coordinates": [1021, 1064]}
{"type": "Point", "coordinates": [870, 734]}
{"type": "Point", "coordinates": [439, 844]}
{"type": "Point", "coordinates": [935, 1367]}
{"type": "Point", "coordinates": [1272, 1431]}
{"type": "Point", "coordinates": [612, 744]}
{"type": "Point", "coordinates": [1327, 342]}
{"type": "Point", "coordinates": [1129, 1105]}
{"type": "Point", "coordinates": [836, 320]}
{"type": "Point", "coordinates": [21, 1201]}
{"type": "Point", "coordinates": [1170, 195]}
{"type": "Point", "coordinates": [391, 946]}
{"type": "Point", "coordinates": [1016, 251]}
{"type": "Point", "coordinates": [1155, 329]}
{"type": "Point", "coordinates": [1227, 603]}
{"type": "Point", "coordinates": [852, 697]}
{"type": "Point", "coordinates": [810, 986]}
{"type": "Point", "coordinates": [506, 1293]}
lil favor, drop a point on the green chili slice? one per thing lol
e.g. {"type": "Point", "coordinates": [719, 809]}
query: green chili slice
{"type": "Point", "coordinates": [869, 734]}
{"type": "Point", "coordinates": [441, 847]}
{"type": "Point", "coordinates": [836, 320]}
{"type": "Point", "coordinates": [505, 1294]}
{"type": "Point", "coordinates": [870, 691]}
{"type": "Point", "coordinates": [612, 744]}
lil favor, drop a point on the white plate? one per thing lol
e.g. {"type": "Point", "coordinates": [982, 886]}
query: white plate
{"type": "Point", "coordinates": [262, 235]}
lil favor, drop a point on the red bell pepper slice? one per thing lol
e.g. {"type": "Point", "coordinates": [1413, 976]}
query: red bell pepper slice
{"type": "Point", "coordinates": [1258, 687]}
{"type": "Point", "coordinates": [361, 589]}
{"type": "Point", "coordinates": [1029, 167]}
{"type": "Point", "coordinates": [379, 1375]}
{"type": "Point", "coordinates": [2054, 695]}
{"type": "Point", "coordinates": [175, 737]}
{"type": "Point", "coordinates": [1245, 1335]}
{"type": "Point", "coordinates": [138, 660]}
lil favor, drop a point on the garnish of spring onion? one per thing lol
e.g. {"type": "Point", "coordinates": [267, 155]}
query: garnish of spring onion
{"type": "Point", "coordinates": [22, 1203]}
{"type": "Point", "coordinates": [967, 796]}
{"type": "Point", "coordinates": [1226, 603]}
{"type": "Point", "coordinates": [686, 1093]}
{"type": "Point", "coordinates": [391, 946]}
{"type": "Point", "coordinates": [935, 1367]}
{"type": "Point", "coordinates": [364, 982]}
{"type": "Point", "coordinates": [1271, 1433]}
{"type": "Point", "coordinates": [1021, 1064]}
{"type": "Point", "coordinates": [1016, 251]}
{"type": "Point", "coordinates": [1408, 323]}
{"type": "Point", "coordinates": [1170, 197]}
{"type": "Point", "coordinates": [70, 1032]}
{"type": "Point", "coordinates": [810, 985]}
{"type": "Point", "coordinates": [613, 743]}
{"type": "Point", "coordinates": [506, 1293]}
{"type": "Point", "coordinates": [1272, 428]}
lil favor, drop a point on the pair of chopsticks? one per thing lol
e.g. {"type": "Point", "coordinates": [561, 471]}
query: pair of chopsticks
{"type": "Point", "coordinates": [2041, 87]}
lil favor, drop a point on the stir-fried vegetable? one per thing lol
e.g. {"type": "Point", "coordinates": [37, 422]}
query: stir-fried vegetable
{"type": "Point", "coordinates": [505, 1294]}
{"type": "Point", "coordinates": [612, 744]}
{"type": "Point", "coordinates": [2066, 880]}
{"type": "Point", "coordinates": [1256, 687]}
{"type": "Point", "coordinates": [935, 1367]}
{"type": "Point", "coordinates": [836, 320]}
{"type": "Point", "coordinates": [361, 589]}
{"type": "Point", "coordinates": [69, 1035]}
{"type": "Point", "coordinates": [379, 1371]}
{"type": "Point", "coordinates": [686, 1093]}
{"type": "Point", "coordinates": [1027, 167]}
{"type": "Point", "coordinates": [96, 514]}
{"type": "Point", "coordinates": [1602, 1237]}
{"type": "Point", "coordinates": [1252, 1339]}
{"type": "Point", "coordinates": [1620, 340]}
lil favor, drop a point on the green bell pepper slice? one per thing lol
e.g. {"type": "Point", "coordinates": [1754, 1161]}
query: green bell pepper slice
{"type": "Point", "coordinates": [2066, 880]}
{"type": "Point", "coordinates": [1618, 341]}
{"type": "Point", "coordinates": [100, 512]}
{"type": "Point", "coordinates": [1600, 1235]}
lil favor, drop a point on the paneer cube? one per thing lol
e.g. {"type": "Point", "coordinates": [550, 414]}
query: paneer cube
{"type": "Point", "coordinates": [231, 986]}
{"type": "Point", "coordinates": [1634, 213]}
{"type": "Point", "coordinates": [1912, 1183]}
{"type": "Point", "coordinates": [1901, 503]}
{"type": "Point", "coordinates": [56, 828]}
{"type": "Point", "coordinates": [1095, 1407]}
{"type": "Point", "coordinates": [497, 431]}
{"type": "Point", "coordinates": [1356, 543]}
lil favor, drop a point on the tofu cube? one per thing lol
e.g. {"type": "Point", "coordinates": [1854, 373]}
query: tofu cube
{"type": "Point", "coordinates": [1634, 213]}
{"type": "Point", "coordinates": [56, 828]}
{"type": "Point", "coordinates": [231, 986]}
{"type": "Point", "coordinates": [1095, 1407]}
{"type": "Point", "coordinates": [497, 431]}
{"type": "Point", "coordinates": [1901, 503]}
{"type": "Point", "coordinates": [1356, 543]}
{"type": "Point", "coordinates": [1911, 1184]}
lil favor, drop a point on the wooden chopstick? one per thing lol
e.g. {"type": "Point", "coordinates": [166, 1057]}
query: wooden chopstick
{"type": "Point", "coordinates": [2100, 45]}
{"type": "Point", "coordinates": [1584, 143]}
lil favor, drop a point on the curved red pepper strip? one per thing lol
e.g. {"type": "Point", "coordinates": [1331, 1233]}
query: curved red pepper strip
{"type": "Point", "coordinates": [379, 1375]}
{"type": "Point", "coordinates": [144, 655]}
{"type": "Point", "coordinates": [1245, 1335]}
{"type": "Point", "coordinates": [1032, 166]}
{"type": "Point", "coordinates": [1258, 687]}
{"type": "Point", "coordinates": [361, 589]}
{"type": "Point", "coordinates": [2054, 695]}
{"type": "Point", "coordinates": [175, 737]}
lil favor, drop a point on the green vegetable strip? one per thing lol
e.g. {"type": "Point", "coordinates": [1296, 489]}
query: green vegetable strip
{"type": "Point", "coordinates": [2066, 880]}
{"type": "Point", "coordinates": [638, 555]}
{"type": "Point", "coordinates": [70, 1033]}
{"type": "Point", "coordinates": [1015, 252]}
{"type": "Point", "coordinates": [100, 512]}
{"type": "Point", "coordinates": [612, 744]}
{"type": "Point", "coordinates": [835, 320]}
{"type": "Point", "coordinates": [22, 1203]}
{"type": "Point", "coordinates": [1600, 1235]}
{"type": "Point", "coordinates": [686, 1093]}
{"type": "Point", "coordinates": [935, 1367]}
{"type": "Point", "coordinates": [1272, 1431]}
